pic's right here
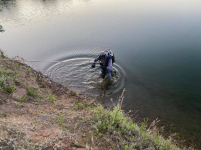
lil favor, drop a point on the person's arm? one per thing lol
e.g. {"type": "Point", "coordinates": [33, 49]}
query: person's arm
{"type": "Point", "coordinates": [109, 67]}
{"type": "Point", "coordinates": [95, 60]}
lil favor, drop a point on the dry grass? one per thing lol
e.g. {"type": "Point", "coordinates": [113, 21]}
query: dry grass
{"type": "Point", "coordinates": [42, 114]}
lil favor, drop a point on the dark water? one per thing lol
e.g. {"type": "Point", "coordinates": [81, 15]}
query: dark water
{"type": "Point", "coordinates": [156, 44]}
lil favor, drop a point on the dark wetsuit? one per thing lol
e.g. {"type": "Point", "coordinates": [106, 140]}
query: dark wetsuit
{"type": "Point", "coordinates": [107, 66]}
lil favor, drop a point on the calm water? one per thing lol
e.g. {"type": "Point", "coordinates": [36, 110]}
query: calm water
{"type": "Point", "coordinates": [156, 44]}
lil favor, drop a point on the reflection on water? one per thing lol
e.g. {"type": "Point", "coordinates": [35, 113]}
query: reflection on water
{"type": "Point", "coordinates": [1, 28]}
{"type": "Point", "coordinates": [157, 43]}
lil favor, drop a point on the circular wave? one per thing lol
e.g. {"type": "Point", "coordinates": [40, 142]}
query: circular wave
{"type": "Point", "coordinates": [76, 73]}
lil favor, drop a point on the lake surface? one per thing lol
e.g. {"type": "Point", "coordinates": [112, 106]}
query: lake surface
{"type": "Point", "coordinates": [156, 44]}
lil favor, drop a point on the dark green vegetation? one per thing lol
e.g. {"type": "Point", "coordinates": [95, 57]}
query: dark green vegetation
{"type": "Point", "coordinates": [1, 28]}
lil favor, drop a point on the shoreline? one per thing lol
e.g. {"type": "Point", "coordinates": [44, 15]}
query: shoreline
{"type": "Point", "coordinates": [49, 115]}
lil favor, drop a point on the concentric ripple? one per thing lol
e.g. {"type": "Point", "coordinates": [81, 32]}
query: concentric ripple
{"type": "Point", "coordinates": [76, 73]}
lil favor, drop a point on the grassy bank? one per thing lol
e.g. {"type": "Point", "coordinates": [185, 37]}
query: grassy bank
{"type": "Point", "coordinates": [37, 113]}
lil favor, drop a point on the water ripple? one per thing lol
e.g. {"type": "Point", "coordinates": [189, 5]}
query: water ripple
{"type": "Point", "coordinates": [76, 73]}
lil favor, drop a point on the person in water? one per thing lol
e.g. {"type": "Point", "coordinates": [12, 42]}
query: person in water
{"type": "Point", "coordinates": [105, 63]}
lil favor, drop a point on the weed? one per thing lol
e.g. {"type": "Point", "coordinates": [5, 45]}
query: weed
{"type": "Point", "coordinates": [72, 92]}
{"type": "Point", "coordinates": [4, 115]}
{"type": "Point", "coordinates": [24, 98]}
{"type": "Point", "coordinates": [18, 106]}
{"type": "Point", "coordinates": [10, 89]}
{"type": "Point", "coordinates": [22, 85]}
{"type": "Point", "coordinates": [50, 98]}
{"type": "Point", "coordinates": [2, 82]}
{"type": "Point", "coordinates": [78, 106]}
{"type": "Point", "coordinates": [28, 71]}
{"type": "Point", "coordinates": [60, 120]}
{"type": "Point", "coordinates": [31, 92]}
{"type": "Point", "coordinates": [1, 52]}
{"type": "Point", "coordinates": [130, 134]}
{"type": "Point", "coordinates": [37, 100]}
{"type": "Point", "coordinates": [100, 134]}
{"type": "Point", "coordinates": [7, 78]}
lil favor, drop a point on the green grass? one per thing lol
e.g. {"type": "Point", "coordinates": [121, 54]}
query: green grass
{"type": "Point", "coordinates": [60, 120]}
{"type": "Point", "coordinates": [10, 89]}
{"type": "Point", "coordinates": [132, 135]}
{"type": "Point", "coordinates": [50, 97]}
{"type": "Point", "coordinates": [78, 106]}
{"type": "Point", "coordinates": [31, 91]}
{"type": "Point", "coordinates": [7, 80]}
{"type": "Point", "coordinates": [24, 98]}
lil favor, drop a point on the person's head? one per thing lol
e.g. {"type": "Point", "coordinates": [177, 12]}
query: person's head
{"type": "Point", "coordinates": [102, 55]}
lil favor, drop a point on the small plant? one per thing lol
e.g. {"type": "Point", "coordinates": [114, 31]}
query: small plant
{"type": "Point", "coordinates": [37, 100]}
{"type": "Point", "coordinates": [28, 71]}
{"type": "Point", "coordinates": [2, 82]}
{"type": "Point", "coordinates": [129, 147]}
{"type": "Point", "coordinates": [10, 89]}
{"type": "Point", "coordinates": [4, 115]}
{"type": "Point", "coordinates": [7, 80]}
{"type": "Point", "coordinates": [22, 85]}
{"type": "Point", "coordinates": [18, 106]}
{"type": "Point", "coordinates": [24, 98]}
{"type": "Point", "coordinates": [31, 92]}
{"type": "Point", "coordinates": [50, 98]}
{"type": "Point", "coordinates": [100, 134]}
{"type": "Point", "coordinates": [60, 120]}
{"type": "Point", "coordinates": [72, 92]}
{"type": "Point", "coordinates": [78, 106]}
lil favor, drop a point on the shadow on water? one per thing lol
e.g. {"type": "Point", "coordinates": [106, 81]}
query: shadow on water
{"type": "Point", "coordinates": [1, 28]}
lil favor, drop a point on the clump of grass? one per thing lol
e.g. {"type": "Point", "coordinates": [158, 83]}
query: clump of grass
{"type": "Point", "coordinates": [10, 89]}
{"type": "Point", "coordinates": [60, 120]}
{"type": "Point", "coordinates": [7, 80]}
{"type": "Point", "coordinates": [14, 138]}
{"type": "Point", "coordinates": [131, 135]}
{"type": "Point", "coordinates": [24, 98]}
{"type": "Point", "coordinates": [78, 106]}
{"type": "Point", "coordinates": [37, 100]}
{"type": "Point", "coordinates": [19, 106]}
{"type": "Point", "coordinates": [4, 115]}
{"type": "Point", "coordinates": [50, 97]}
{"type": "Point", "coordinates": [2, 54]}
{"type": "Point", "coordinates": [72, 92]}
{"type": "Point", "coordinates": [31, 91]}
